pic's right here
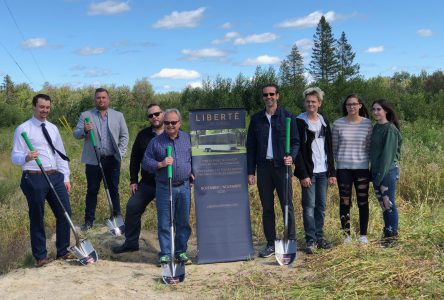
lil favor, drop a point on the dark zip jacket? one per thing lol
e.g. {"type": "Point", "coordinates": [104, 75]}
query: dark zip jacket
{"type": "Point", "coordinates": [257, 139]}
{"type": "Point", "coordinates": [304, 161]}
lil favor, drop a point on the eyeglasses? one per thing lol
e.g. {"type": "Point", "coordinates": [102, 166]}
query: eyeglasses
{"type": "Point", "coordinates": [156, 114]}
{"type": "Point", "coordinates": [352, 104]}
{"type": "Point", "coordinates": [268, 94]}
{"type": "Point", "coordinates": [170, 123]}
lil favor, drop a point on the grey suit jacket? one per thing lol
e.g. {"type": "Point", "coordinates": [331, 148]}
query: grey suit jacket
{"type": "Point", "coordinates": [117, 128]}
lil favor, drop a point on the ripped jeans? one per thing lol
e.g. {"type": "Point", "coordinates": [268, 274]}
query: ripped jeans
{"type": "Point", "coordinates": [385, 193]}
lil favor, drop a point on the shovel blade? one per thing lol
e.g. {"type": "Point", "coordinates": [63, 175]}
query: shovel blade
{"type": "Point", "coordinates": [173, 273]}
{"type": "Point", "coordinates": [115, 225]}
{"type": "Point", "coordinates": [285, 252]}
{"type": "Point", "coordinates": [84, 252]}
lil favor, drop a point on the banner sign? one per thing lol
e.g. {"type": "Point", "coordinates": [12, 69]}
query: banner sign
{"type": "Point", "coordinates": [221, 185]}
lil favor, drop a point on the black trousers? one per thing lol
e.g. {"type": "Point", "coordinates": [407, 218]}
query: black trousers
{"type": "Point", "coordinates": [134, 209]}
{"type": "Point", "coordinates": [270, 179]}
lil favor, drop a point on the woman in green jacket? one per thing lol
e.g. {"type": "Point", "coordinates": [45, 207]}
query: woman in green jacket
{"type": "Point", "coordinates": [385, 150]}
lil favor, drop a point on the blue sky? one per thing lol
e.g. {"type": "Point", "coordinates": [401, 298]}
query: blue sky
{"type": "Point", "coordinates": [178, 43]}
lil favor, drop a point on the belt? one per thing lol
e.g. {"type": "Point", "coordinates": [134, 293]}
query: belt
{"type": "Point", "coordinates": [106, 156]}
{"type": "Point", "coordinates": [178, 183]}
{"type": "Point", "coordinates": [269, 161]}
{"type": "Point", "coordinates": [48, 172]}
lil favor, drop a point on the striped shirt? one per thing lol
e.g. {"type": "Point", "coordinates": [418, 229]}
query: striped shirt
{"type": "Point", "coordinates": [156, 152]}
{"type": "Point", "coordinates": [351, 143]}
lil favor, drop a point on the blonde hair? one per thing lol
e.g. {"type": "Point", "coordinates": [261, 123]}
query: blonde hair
{"type": "Point", "coordinates": [314, 91]}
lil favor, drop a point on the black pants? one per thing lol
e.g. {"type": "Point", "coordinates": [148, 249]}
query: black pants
{"type": "Point", "coordinates": [360, 178]}
{"type": "Point", "coordinates": [270, 179]}
{"type": "Point", "coordinates": [36, 190]}
{"type": "Point", "coordinates": [111, 169]}
{"type": "Point", "coordinates": [134, 209]}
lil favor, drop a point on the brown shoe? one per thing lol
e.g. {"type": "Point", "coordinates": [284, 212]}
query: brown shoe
{"type": "Point", "coordinates": [41, 262]}
{"type": "Point", "coordinates": [65, 257]}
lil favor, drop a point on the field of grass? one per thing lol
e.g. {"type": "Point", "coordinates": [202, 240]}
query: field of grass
{"type": "Point", "coordinates": [412, 269]}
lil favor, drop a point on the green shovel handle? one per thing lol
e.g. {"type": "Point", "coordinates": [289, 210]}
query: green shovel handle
{"type": "Point", "coordinates": [91, 133]}
{"type": "Point", "coordinates": [170, 167]}
{"type": "Point", "coordinates": [31, 147]}
{"type": "Point", "coordinates": [287, 135]}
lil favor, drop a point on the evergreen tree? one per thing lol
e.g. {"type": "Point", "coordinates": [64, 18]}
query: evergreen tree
{"type": "Point", "coordinates": [292, 70]}
{"type": "Point", "coordinates": [324, 63]}
{"type": "Point", "coordinates": [8, 90]}
{"type": "Point", "coordinates": [345, 56]}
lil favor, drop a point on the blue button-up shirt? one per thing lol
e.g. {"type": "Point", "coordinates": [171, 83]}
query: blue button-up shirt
{"type": "Point", "coordinates": [156, 152]}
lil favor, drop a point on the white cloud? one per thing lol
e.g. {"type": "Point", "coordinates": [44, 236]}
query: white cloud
{"type": "Point", "coordinates": [78, 68]}
{"type": "Point", "coordinates": [35, 43]}
{"type": "Point", "coordinates": [195, 85]}
{"type": "Point", "coordinates": [181, 19]}
{"type": "Point", "coordinates": [376, 49]}
{"type": "Point", "coordinates": [424, 32]}
{"type": "Point", "coordinates": [256, 38]}
{"type": "Point", "coordinates": [311, 20]}
{"type": "Point", "coordinates": [107, 8]}
{"type": "Point", "coordinates": [262, 60]}
{"type": "Point", "coordinates": [226, 25]}
{"type": "Point", "coordinates": [204, 53]}
{"type": "Point", "coordinates": [90, 51]}
{"type": "Point", "coordinates": [304, 46]}
{"type": "Point", "coordinates": [98, 72]}
{"type": "Point", "coordinates": [176, 74]}
{"type": "Point", "coordinates": [227, 37]}
{"type": "Point", "coordinates": [167, 87]}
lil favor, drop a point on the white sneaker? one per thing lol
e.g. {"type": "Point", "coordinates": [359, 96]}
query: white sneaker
{"type": "Point", "coordinates": [363, 240]}
{"type": "Point", "coordinates": [347, 240]}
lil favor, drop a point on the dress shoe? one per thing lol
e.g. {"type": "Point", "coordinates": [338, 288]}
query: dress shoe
{"type": "Point", "coordinates": [124, 248]}
{"type": "Point", "coordinates": [86, 226]}
{"type": "Point", "coordinates": [41, 262]}
{"type": "Point", "coordinates": [65, 257]}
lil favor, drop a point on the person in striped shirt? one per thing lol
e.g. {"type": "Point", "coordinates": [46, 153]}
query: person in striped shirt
{"type": "Point", "coordinates": [351, 144]}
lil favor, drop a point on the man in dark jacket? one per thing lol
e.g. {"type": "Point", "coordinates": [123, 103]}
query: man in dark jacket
{"type": "Point", "coordinates": [143, 192]}
{"type": "Point", "coordinates": [314, 166]}
{"type": "Point", "coordinates": [266, 155]}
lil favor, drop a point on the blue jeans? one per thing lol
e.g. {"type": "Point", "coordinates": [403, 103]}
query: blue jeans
{"type": "Point", "coordinates": [385, 193]}
{"type": "Point", "coordinates": [314, 200]}
{"type": "Point", "coordinates": [111, 169]}
{"type": "Point", "coordinates": [181, 210]}
{"type": "Point", "coordinates": [36, 190]}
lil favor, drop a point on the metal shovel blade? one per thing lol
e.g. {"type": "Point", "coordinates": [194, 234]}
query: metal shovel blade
{"type": "Point", "coordinates": [285, 252]}
{"type": "Point", "coordinates": [173, 273]}
{"type": "Point", "coordinates": [85, 252]}
{"type": "Point", "coordinates": [115, 225]}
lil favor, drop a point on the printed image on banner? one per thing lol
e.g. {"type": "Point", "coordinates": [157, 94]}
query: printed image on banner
{"type": "Point", "coordinates": [221, 186]}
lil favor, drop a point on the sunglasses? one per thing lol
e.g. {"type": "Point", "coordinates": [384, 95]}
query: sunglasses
{"type": "Point", "coordinates": [156, 114]}
{"type": "Point", "coordinates": [269, 94]}
{"type": "Point", "coordinates": [170, 123]}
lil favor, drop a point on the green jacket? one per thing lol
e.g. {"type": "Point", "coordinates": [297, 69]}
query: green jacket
{"type": "Point", "coordinates": [385, 150]}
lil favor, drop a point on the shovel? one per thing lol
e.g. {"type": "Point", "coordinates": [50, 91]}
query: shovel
{"type": "Point", "coordinates": [285, 250]}
{"type": "Point", "coordinates": [172, 272]}
{"type": "Point", "coordinates": [83, 250]}
{"type": "Point", "coordinates": [115, 223]}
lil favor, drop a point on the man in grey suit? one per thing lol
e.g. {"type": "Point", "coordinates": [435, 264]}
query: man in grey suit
{"type": "Point", "coordinates": [111, 135]}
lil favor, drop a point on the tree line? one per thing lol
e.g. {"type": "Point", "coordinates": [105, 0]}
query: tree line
{"type": "Point", "coordinates": [332, 68]}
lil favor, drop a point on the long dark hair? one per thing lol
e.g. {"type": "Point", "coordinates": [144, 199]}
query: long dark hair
{"type": "Point", "coordinates": [363, 112]}
{"type": "Point", "coordinates": [390, 112]}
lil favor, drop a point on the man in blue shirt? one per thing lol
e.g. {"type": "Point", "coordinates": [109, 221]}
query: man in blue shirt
{"type": "Point", "coordinates": [156, 161]}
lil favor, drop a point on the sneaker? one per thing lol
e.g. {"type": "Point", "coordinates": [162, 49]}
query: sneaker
{"type": "Point", "coordinates": [124, 248]}
{"type": "Point", "coordinates": [164, 259]}
{"type": "Point", "coordinates": [267, 251]}
{"type": "Point", "coordinates": [183, 258]}
{"type": "Point", "coordinates": [86, 226]}
{"type": "Point", "coordinates": [347, 240]}
{"type": "Point", "coordinates": [311, 246]}
{"type": "Point", "coordinates": [323, 244]}
{"type": "Point", "coordinates": [363, 240]}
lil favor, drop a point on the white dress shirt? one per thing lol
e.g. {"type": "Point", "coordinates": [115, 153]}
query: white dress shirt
{"type": "Point", "coordinates": [50, 160]}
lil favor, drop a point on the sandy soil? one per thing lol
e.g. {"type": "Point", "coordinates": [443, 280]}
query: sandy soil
{"type": "Point", "coordinates": [132, 275]}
